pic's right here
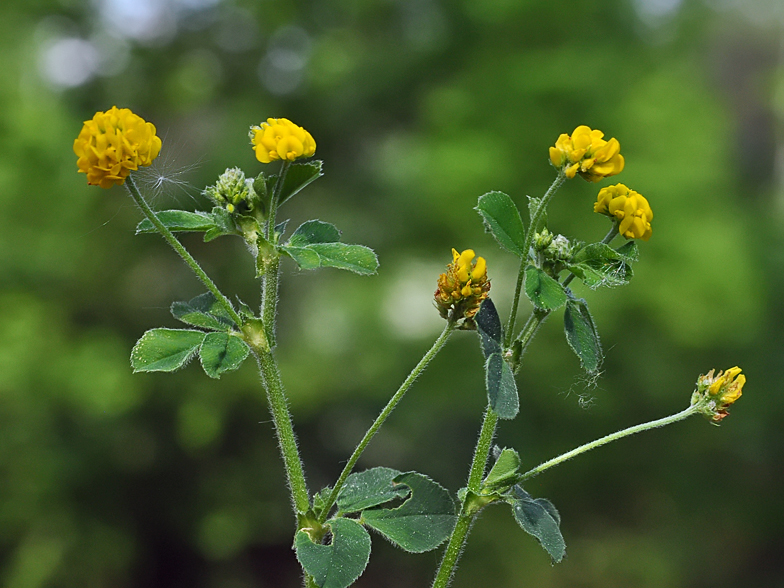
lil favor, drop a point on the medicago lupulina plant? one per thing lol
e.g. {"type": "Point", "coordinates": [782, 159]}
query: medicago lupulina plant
{"type": "Point", "coordinates": [409, 509]}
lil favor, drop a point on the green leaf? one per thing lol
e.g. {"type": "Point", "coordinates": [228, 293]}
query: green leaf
{"type": "Point", "coordinates": [299, 176]}
{"type": "Point", "coordinates": [502, 218]}
{"type": "Point", "coordinates": [304, 257]}
{"type": "Point", "coordinates": [582, 336]}
{"type": "Point", "coordinates": [629, 251]}
{"type": "Point", "coordinates": [356, 258]}
{"type": "Point", "coordinates": [599, 264]}
{"type": "Point", "coordinates": [488, 326]}
{"type": "Point", "coordinates": [505, 470]}
{"type": "Point", "coordinates": [203, 311]}
{"type": "Point", "coordinates": [501, 387]}
{"type": "Point", "coordinates": [178, 221]}
{"type": "Point", "coordinates": [544, 291]}
{"type": "Point", "coordinates": [222, 352]}
{"type": "Point", "coordinates": [538, 517]}
{"type": "Point", "coordinates": [223, 224]}
{"type": "Point", "coordinates": [422, 522]}
{"type": "Point", "coordinates": [340, 563]}
{"type": "Point", "coordinates": [370, 488]}
{"type": "Point", "coordinates": [314, 231]}
{"type": "Point", "coordinates": [165, 350]}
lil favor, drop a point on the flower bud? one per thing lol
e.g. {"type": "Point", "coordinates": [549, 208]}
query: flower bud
{"type": "Point", "coordinates": [113, 144]}
{"type": "Point", "coordinates": [232, 191]}
{"type": "Point", "coordinates": [542, 240]}
{"type": "Point", "coordinates": [559, 249]}
{"type": "Point", "coordinates": [714, 394]}
{"type": "Point", "coordinates": [463, 287]}
{"type": "Point", "coordinates": [587, 154]}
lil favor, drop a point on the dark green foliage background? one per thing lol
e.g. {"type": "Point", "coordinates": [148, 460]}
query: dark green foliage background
{"type": "Point", "coordinates": [418, 108]}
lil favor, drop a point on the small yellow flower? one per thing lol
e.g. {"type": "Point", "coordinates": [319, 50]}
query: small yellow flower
{"type": "Point", "coordinates": [113, 144]}
{"type": "Point", "coordinates": [717, 393]}
{"type": "Point", "coordinates": [463, 287]}
{"type": "Point", "coordinates": [587, 154]}
{"type": "Point", "coordinates": [279, 138]}
{"type": "Point", "coordinates": [632, 210]}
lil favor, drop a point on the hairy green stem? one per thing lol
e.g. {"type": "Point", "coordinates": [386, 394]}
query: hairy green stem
{"type": "Point", "coordinates": [270, 280]}
{"type": "Point", "coordinates": [180, 249]}
{"type": "Point", "coordinates": [482, 450]}
{"type": "Point", "coordinates": [396, 397]}
{"type": "Point", "coordinates": [484, 443]}
{"type": "Point", "coordinates": [684, 414]}
{"type": "Point", "coordinates": [453, 550]}
{"type": "Point", "coordinates": [529, 236]}
{"type": "Point", "coordinates": [284, 430]}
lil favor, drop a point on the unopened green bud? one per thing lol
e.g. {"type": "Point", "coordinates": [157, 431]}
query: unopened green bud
{"type": "Point", "coordinates": [232, 191]}
{"type": "Point", "coordinates": [559, 249]}
{"type": "Point", "coordinates": [542, 240]}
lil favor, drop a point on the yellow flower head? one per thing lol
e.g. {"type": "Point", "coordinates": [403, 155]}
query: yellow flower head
{"type": "Point", "coordinates": [632, 210]}
{"type": "Point", "coordinates": [717, 393]}
{"type": "Point", "coordinates": [587, 154]}
{"type": "Point", "coordinates": [463, 287]}
{"type": "Point", "coordinates": [113, 144]}
{"type": "Point", "coordinates": [279, 138]}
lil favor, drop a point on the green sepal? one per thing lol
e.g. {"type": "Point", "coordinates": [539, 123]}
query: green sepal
{"type": "Point", "coordinates": [223, 225]}
{"type": "Point", "coordinates": [502, 219]}
{"type": "Point", "coordinates": [543, 291]}
{"type": "Point", "coordinates": [178, 221]}
{"type": "Point", "coordinates": [539, 518]}
{"type": "Point", "coordinates": [221, 353]}
{"type": "Point", "coordinates": [533, 204]}
{"type": "Point", "coordinates": [599, 264]}
{"type": "Point", "coordinates": [501, 387]}
{"type": "Point", "coordinates": [582, 336]}
{"type": "Point", "coordinates": [340, 563]}
{"type": "Point", "coordinates": [504, 473]}
{"type": "Point", "coordinates": [165, 350]}
{"type": "Point", "coordinates": [422, 522]}
{"type": "Point", "coordinates": [489, 329]}
{"type": "Point", "coordinates": [203, 311]}
{"type": "Point", "coordinates": [369, 488]}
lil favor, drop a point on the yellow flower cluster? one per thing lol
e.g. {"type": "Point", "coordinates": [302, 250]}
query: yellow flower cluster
{"type": "Point", "coordinates": [463, 287]}
{"type": "Point", "coordinates": [718, 392]}
{"type": "Point", "coordinates": [113, 144]}
{"type": "Point", "coordinates": [585, 152]}
{"type": "Point", "coordinates": [279, 138]}
{"type": "Point", "coordinates": [629, 207]}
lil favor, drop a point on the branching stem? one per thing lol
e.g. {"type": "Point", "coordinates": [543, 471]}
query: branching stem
{"type": "Point", "coordinates": [396, 398]}
{"type": "Point", "coordinates": [180, 249]}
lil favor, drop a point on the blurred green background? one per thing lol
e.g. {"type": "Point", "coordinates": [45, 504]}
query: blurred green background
{"type": "Point", "coordinates": [418, 107]}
